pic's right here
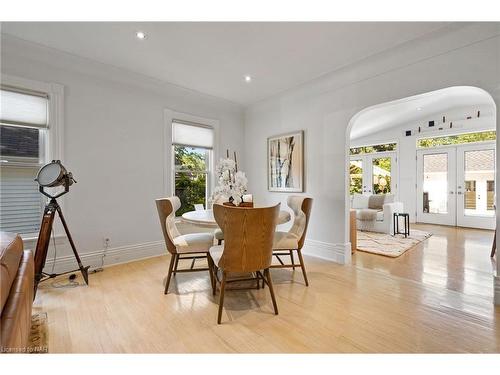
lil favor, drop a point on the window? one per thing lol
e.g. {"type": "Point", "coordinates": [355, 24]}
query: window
{"type": "Point", "coordinates": [192, 146]}
{"type": "Point", "coordinates": [23, 136]}
{"type": "Point", "coordinates": [374, 148]}
{"type": "Point", "coordinates": [356, 176]}
{"type": "Point", "coordinates": [456, 139]}
{"type": "Point", "coordinates": [381, 175]}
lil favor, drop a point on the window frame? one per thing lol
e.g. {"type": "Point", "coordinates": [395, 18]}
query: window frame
{"type": "Point", "coordinates": [456, 134]}
{"type": "Point", "coordinates": [364, 152]}
{"type": "Point", "coordinates": [169, 162]}
{"type": "Point", "coordinates": [52, 143]}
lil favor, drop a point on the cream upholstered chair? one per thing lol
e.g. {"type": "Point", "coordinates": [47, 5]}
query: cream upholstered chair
{"type": "Point", "coordinates": [181, 246]}
{"type": "Point", "coordinates": [247, 248]}
{"type": "Point", "coordinates": [285, 243]}
{"type": "Point", "coordinates": [218, 234]}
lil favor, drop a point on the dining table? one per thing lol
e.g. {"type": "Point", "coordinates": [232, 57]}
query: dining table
{"type": "Point", "coordinates": [205, 218]}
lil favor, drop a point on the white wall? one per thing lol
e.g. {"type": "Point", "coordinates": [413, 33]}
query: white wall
{"type": "Point", "coordinates": [407, 152]}
{"type": "Point", "coordinates": [114, 145]}
{"type": "Point", "coordinates": [114, 129]}
{"type": "Point", "coordinates": [464, 55]}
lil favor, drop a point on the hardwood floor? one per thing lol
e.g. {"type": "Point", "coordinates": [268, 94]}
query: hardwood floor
{"type": "Point", "coordinates": [453, 258]}
{"type": "Point", "coordinates": [432, 299]}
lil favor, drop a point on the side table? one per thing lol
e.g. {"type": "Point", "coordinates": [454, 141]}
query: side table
{"type": "Point", "coordinates": [406, 218]}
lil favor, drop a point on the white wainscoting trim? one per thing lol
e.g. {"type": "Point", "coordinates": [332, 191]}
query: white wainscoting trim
{"type": "Point", "coordinates": [338, 253]}
{"type": "Point", "coordinates": [112, 256]}
{"type": "Point", "coordinates": [496, 288]}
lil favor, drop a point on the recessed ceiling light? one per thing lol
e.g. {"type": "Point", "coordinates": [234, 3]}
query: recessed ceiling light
{"type": "Point", "coordinates": [248, 79]}
{"type": "Point", "coordinates": [140, 35]}
{"type": "Point", "coordinates": [419, 109]}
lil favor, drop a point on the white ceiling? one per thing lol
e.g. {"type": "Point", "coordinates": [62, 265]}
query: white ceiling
{"type": "Point", "coordinates": [213, 58]}
{"type": "Point", "coordinates": [436, 103]}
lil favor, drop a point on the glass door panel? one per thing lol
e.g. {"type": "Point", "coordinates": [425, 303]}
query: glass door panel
{"type": "Point", "coordinates": [356, 176]}
{"type": "Point", "coordinates": [381, 175]}
{"type": "Point", "coordinates": [476, 186]}
{"type": "Point", "coordinates": [436, 187]}
{"type": "Point", "coordinates": [479, 170]}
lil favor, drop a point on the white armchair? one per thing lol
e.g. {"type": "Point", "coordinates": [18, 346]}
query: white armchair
{"type": "Point", "coordinates": [375, 213]}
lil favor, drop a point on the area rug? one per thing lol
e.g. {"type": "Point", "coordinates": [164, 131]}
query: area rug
{"type": "Point", "coordinates": [388, 245]}
{"type": "Point", "coordinates": [39, 336]}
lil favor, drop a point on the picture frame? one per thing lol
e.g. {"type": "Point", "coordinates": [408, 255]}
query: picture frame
{"type": "Point", "coordinates": [285, 162]}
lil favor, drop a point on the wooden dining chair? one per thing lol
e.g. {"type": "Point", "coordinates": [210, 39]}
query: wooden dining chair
{"type": "Point", "coordinates": [191, 246]}
{"type": "Point", "coordinates": [285, 243]}
{"type": "Point", "coordinates": [247, 247]}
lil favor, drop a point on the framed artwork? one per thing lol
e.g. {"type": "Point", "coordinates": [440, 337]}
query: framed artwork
{"type": "Point", "coordinates": [285, 164]}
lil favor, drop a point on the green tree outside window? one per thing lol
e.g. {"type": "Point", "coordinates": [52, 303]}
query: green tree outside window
{"type": "Point", "coordinates": [190, 176]}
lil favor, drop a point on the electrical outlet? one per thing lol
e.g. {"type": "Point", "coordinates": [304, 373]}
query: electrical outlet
{"type": "Point", "coordinates": [106, 242]}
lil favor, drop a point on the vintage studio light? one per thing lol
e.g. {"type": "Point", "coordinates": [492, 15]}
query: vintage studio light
{"type": "Point", "coordinates": [53, 175]}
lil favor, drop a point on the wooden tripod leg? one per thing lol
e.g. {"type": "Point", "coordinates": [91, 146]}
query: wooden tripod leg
{"type": "Point", "coordinates": [221, 298]}
{"type": "Point", "coordinates": [173, 259]}
{"type": "Point", "coordinates": [301, 260]}
{"type": "Point", "coordinates": [83, 270]}
{"type": "Point", "coordinates": [494, 247]}
{"type": "Point", "coordinates": [267, 274]}
{"type": "Point", "coordinates": [42, 244]}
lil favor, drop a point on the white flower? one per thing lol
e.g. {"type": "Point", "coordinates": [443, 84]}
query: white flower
{"type": "Point", "coordinates": [225, 176]}
{"type": "Point", "coordinates": [240, 179]}
{"type": "Point", "coordinates": [230, 183]}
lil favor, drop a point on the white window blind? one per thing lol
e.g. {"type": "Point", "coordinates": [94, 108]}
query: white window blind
{"type": "Point", "coordinates": [20, 203]}
{"type": "Point", "coordinates": [194, 135]}
{"type": "Point", "coordinates": [23, 128]}
{"type": "Point", "coordinates": [19, 108]}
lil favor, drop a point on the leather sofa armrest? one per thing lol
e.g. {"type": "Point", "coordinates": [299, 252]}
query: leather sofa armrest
{"type": "Point", "coordinates": [15, 322]}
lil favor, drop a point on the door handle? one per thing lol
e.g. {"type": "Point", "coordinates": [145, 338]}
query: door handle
{"type": "Point", "coordinates": [459, 193]}
{"type": "Point", "coordinates": [452, 192]}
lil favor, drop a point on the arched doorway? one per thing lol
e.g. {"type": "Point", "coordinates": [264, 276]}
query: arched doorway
{"type": "Point", "coordinates": [434, 155]}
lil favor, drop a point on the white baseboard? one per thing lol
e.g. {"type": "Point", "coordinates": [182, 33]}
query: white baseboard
{"type": "Point", "coordinates": [117, 255]}
{"type": "Point", "coordinates": [496, 288]}
{"type": "Point", "coordinates": [338, 253]}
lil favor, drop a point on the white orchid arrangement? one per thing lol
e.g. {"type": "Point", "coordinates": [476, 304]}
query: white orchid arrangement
{"type": "Point", "coordinates": [232, 184]}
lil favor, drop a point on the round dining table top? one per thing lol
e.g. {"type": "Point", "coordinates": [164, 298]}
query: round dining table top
{"type": "Point", "coordinates": [206, 217]}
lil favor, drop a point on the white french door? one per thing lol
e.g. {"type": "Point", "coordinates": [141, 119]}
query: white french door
{"type": "Point", "coordinates": [476, 186]}
{"type": "Point", "coordinates": [456, 185]}
{"type": "Point", "coordinates": [374, 173]}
